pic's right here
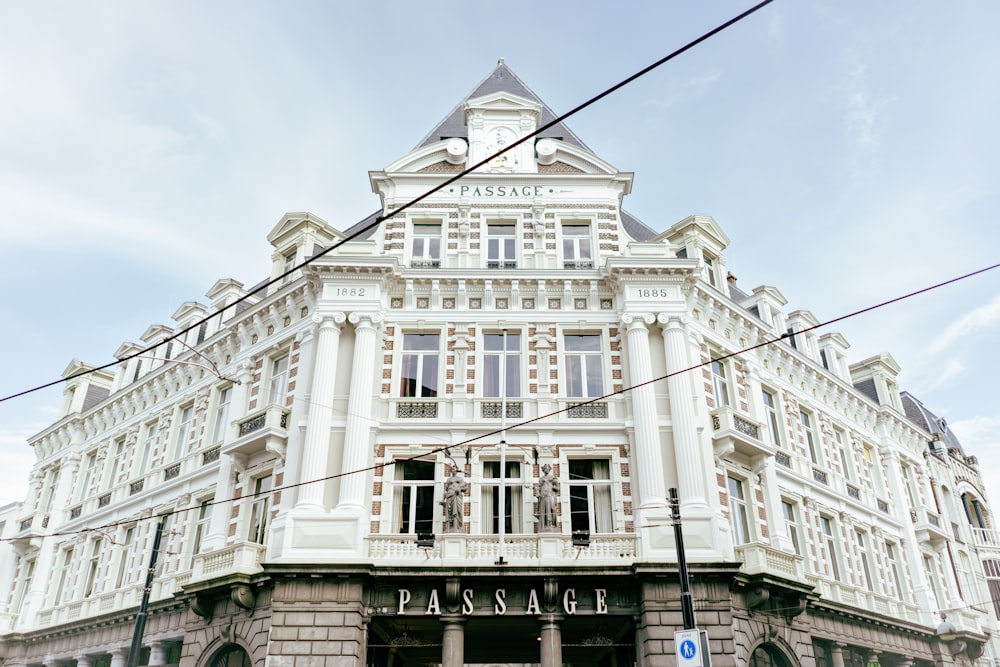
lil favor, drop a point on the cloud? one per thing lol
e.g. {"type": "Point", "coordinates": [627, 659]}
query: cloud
{"type": "Point", "coordinates": [17, 456]}
{"type": "Point", "coordinates": [695, 87]}
{"type": "Point", "coordinates": [979, 319]}
{"type": "Point", "coordinates": [942, 375]}
{"type": "Point", "coordinates": [863, 111]}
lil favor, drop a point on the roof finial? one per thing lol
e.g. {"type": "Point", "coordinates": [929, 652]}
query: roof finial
{"type": "Point", "coordinates": [500, 61]}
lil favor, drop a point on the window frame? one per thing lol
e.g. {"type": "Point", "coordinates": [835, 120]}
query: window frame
{"type": "Point", "coordinates": [590, 489]}
{"type": "Point", "coordinates": [412, 497]}
{"type": "Point", "coordinates": [861, 544]}
{"type": "Point", "coordinates": [581, 246]}
{"type": "Point", "coordinates": [772, 415]}
{"type": "Point", "coordinates": [259, 507]}
{"type": "Point", "coordinates": [830, 538]}
{"type": "Point", "coordinates": [514, 523]}
{"type": "Point", "coordinates": [812, 442]}
{"type": "Point", "coordinates": [184, 430]}
{"type": "Point", "coordinates": [490, 357]}
{"type": "Point", "coordinates": [738, 509]}
{"type": "Point", "coordinates": [278, 377]}
{"type": "Point", "coordinates": [721, 389]}
{"type": "Point", "coordinates": [429, 255]}
{"type": "Point", "coordinates": [587, 359]}
{"type": "Point", "coordinates": [223, 403]}
{"type": "Point", "coordinates": [421, 355]}
{"type": "Point", "coordinates": [790, 514]}
{"type": "Point", "coordinates": [502, 243]}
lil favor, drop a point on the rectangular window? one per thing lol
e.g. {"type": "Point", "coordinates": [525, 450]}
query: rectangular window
{"type": "Point", "coordinates": [89, 470]}
{"type": "Point", "coordinates": [861, 544]}
{"type": "Point", "coordinates": [419, 370]}
{"type": "Point", "coordinates": [590, 495]}
{"type": "Point", "coordinates": [584, 366]}
{"type": "Point", "coordinates": [501, 246]}
{"type": "Point", "coordinates": [492, 360]}
{"type": "Point", "coordinates": [27, 574]}
{"type": "Point", "coordinates": [491, 498]}
{"type": "Point", "coordinates": [738, 512]}
{"type": "Point", "coordinates": [890, 552]}
{"type": "Point", "coordinates": [413, 497]}
{"type": "Point", "coordinates": [61, 577]}
{"type": "Point", "coordinates": [279, 381]}
{"type": "Point", "coordinates": [791, 524]}
{"type": "Point", "coordinates": [183, 430]}
{"type": "Point", "coordinates": [807, 429]}
{"type": "Point", "coordinates": [289, 264]}
{"type": "Point", "coordinates": [202, 522]}
{"type": "Point", "coordinates": [50, 491]}
{"type": "Point", "coordinates": [991, 568]}
{"type": "Point", "coordinates": [124, 556]}
{"type": "Point", "coordinates": [222, 414]}
{"type": "Point", "coordinates": [90, 586]}
{"type": "Point", "coordinates": [874, 468]}
{"type": "Point", "coordinates": [826, 524]}
{"type": "Point", "coordinates": [147, 446]}
{"type": "Point", "coordinates": [426, 244]}
{"type": "Point", "coordinates": [720, 384]}
{"type": "Point", "coordinates": [576, 244]}
{"type": "Point", "coordinates": [709, 268]}
{"type": "Point", "coordinates": [930, 568]}
{"type": "Point", "coordinates": [771, 419]}
{"type": "Point", "coordinates": [260, 510]}
{"type": "Point", "coordinates": [840, 439]}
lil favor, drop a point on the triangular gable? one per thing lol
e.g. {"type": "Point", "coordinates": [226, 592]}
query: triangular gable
{"type": "Point", "coordinates": [501, 79]}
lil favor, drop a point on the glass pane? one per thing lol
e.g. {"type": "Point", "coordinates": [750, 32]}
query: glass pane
{"type": "Point", "coordinates": [408, 376]}
{"type": "Point", "coordinates": [430, 375]}
{"type": "Point", "coordinates": [424, 518]}
{"type": "Point", "coordinates": [579, 508]}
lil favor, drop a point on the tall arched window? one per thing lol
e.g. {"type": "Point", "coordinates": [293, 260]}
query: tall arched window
{"type": "Point", "coordinates": [767, 655]}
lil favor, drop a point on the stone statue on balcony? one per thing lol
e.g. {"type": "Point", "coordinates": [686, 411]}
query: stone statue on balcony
{"type": "Point", "coordinates": [454, 497]}
{"type": "Point", "coordinates": [548, 499]}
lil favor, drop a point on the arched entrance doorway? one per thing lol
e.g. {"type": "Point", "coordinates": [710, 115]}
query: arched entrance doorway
{"type": "Point", "coordinates": [767, 655]}
{"type": "Point", "coordinates": [231, 655]}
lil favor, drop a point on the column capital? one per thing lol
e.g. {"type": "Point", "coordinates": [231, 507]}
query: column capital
{"type": "Point", "coordinates": [637, 320]}
{"type": "Point", "coordinates": [673, 320]}
{"type": "Point", "coordinates": [329, 319]}
{"type": "Point", "coordinates": [366, 319]}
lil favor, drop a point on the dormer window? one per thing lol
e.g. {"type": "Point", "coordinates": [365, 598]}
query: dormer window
{"type": "Point", "coordinates": [577, 247]}
{"type": "Point", "coordinates": [289, 259]}
{"type": "Point", "coordinates": [501, 246]}
{"type": "Point", "coordinates": [426, 245]}
{"type": "Point", "coordinates": [710, 264]}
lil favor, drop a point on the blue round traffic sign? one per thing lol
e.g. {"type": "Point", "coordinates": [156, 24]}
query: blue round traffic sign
{"type": "Point", "coordinates": [688, 649]}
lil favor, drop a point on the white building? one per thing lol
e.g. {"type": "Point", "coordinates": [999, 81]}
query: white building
{"type": "Point", "coordinates": [299, 445]}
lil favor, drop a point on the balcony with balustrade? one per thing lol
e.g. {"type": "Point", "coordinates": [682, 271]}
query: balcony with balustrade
{"type": "Point", "coordinates": [536, 550]}
{"type": "Point", "coordinates": [265, 430]}
{"type": "Point", "coordinates": [735, 433]}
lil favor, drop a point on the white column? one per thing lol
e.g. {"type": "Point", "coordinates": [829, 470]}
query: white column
{"type": "Point", "coordinates": [83, 660]}
{"type": "Point", "coordinates": [118, 657]}
{"type": "Point", "coordinates": [649, 462]}
{"type": "Point", "coordinates": [157, 654]}
{"type": "Point", "coordinates": [690, 476]}
{"type": "Point", "coordinates": [359, 422]}
{"type": "Point", "coordinates": [316, 449]}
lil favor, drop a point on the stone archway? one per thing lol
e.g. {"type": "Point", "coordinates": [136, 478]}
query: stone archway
{"type": "Point", "coordinates": [768, 655]}
{"type": "Point", "coordinates": [230, 655]}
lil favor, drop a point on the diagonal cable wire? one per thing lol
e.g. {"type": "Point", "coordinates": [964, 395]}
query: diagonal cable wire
{"type": "Point", "coordinates": [381, 218]}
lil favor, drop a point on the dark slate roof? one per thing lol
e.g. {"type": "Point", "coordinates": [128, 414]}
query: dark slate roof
{"type": "Point", "coordinates": [94, 396]}
{"type": "Point", "coordinates": [867, 387]}
{"type": "Point", "coordinates": [501, 79]}
{"type": "Point", "coordinates": [636, 228]}
{"type": "Point", "coordinates": [361, 225]}
{"type": "Point", "coordinates": [918, 413]}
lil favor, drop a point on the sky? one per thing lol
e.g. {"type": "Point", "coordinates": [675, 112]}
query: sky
{"type": "Point", "coordinates": [849, 149]}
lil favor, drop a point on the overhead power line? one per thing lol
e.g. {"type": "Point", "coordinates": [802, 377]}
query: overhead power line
{"type": "Point", "coordinates": [496, 432]}
{"type": "Point", "coordinates": [381, 218]}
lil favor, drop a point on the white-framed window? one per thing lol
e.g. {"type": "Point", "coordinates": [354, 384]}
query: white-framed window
{"type": "Point", "coordinates": [89, 470]}
{"type": "Point", "coordinates": [426, 247]}
{"type": "Point", "coordinates": [146, 447]}
{"type": "Point", "coordinates": [991, 568]}
{"type": "Point", "coordinates": [874, 468]}
{"type": "Point", "coordinates": [711, 271]}
{"type": "Point", "coordinates": [590, 495]}
{"type": "Point", "coordinates": [260, 509]}
{"type": "Point", "coordinates": [418, 373]}
{"type": "Point", "coordinates": [861, 544]}
{"type": "Point", "coordinates": [812, 444]}
{"type": "Point", "coordinates": [931, 570]}
{"type": "Point", "coordinates": [202, 522]}
{"type": "Point", "coordinates": [125, 547]}
{"type": "Point", "coordinates": [501, 245]}
{"type": "Point", "coordinates": [288, 264]}
{"type": "Point", "coordinates": [772, 421]}
{"type": "Point", "coordinates": [278, 387]}
{"type": "Point", "coordinates": [897, 581]}
{"type": "Point", "coordinates": [49, 495]}
{"type": "Point", "coordinates": [62, 575]}
{"type": "Point", "coordinates": [183, 430]}
{"type": "Point", "coordinates": [846, 460]}
{"type": "Point", "coordinates": [584, 365]}
{"type": "Point", "coordinates": [577, 245]}
{"type": "Point", "coordinates": [790, 516]}
{"type": "Point", "coordinates": [413, 497]}
{"type": "Point", "coordinates": [221, 422]}
{"type": "Point", "coordinates": [493, 355]}
{"type": "Point", "coordinates": [738, 516]}
{"type": "Point", "coordinates": [720, 383]}
{"type": "Point", "coordinates": [91, 585]}
{"type": "Point", "coordinates": [490, 498]}
{"type": "Point", "coordinates": [830, 539]}
{"type": "Point", "coordinates": [966, 588]}
{"type": "Point", "coordinates": [25, 576]}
